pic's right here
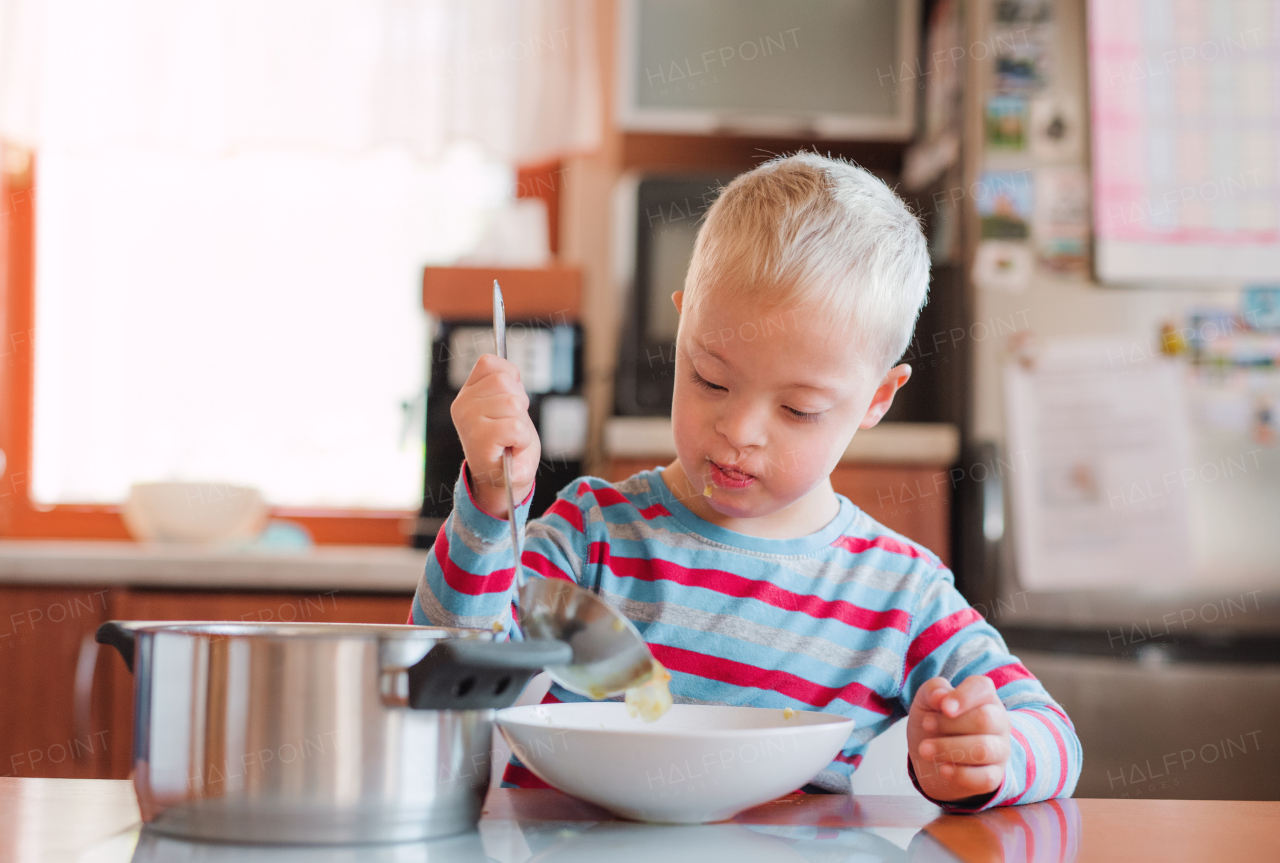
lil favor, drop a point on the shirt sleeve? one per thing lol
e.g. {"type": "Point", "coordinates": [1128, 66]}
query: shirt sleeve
{"type": "Point", "coordinates": [469, 580]}
{"type": "Point", "coordinates": [950, 639]}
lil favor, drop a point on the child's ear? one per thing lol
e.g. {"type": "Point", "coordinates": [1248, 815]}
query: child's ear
{"type": "Point", "coordinates": [883, 399]}
{"type": "Point", "coordinates": [678, 299]}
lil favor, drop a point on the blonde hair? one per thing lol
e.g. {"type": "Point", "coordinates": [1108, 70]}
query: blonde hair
{"type": "Point", "coordinates": [820, 233]}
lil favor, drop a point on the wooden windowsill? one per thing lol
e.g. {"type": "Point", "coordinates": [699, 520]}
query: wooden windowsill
{"type": "Point", "coordinates": [194, 567]}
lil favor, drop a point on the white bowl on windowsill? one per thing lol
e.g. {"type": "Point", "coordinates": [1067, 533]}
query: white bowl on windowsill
{"type": "Point", "coordinates": [205, 513]}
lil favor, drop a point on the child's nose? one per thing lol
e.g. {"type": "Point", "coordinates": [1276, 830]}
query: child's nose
{"type": "Point", "coordinates": [741, 425]}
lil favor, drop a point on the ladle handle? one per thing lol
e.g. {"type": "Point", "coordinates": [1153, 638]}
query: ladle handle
{"type": "Point", "coordinates": [500, 344]}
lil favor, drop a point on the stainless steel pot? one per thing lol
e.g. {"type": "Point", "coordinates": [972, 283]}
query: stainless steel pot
{"type": "Point", "coordinates": [316, 733]}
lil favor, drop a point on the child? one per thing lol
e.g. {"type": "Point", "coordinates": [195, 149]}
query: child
{"type": "Point", "coordinates": [753, 582]}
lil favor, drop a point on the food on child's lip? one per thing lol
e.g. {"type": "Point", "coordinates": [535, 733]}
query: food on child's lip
{"type": "Point", "coordinates": [652, 697]}
{"type": "Point", "coordinates": [788, 713]}
{"type": "Point", "coordinates": [706, 492]}
{"type": "Point", "coordinates": [729, 478]}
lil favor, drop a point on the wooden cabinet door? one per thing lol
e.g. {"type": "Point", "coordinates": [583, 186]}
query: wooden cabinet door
{"type": "Point", "coordinates": [914, 500]}
{"type": "Point", "coordinates": [51, 723]}
{"type": "Point", "coordinates": [334, 606]}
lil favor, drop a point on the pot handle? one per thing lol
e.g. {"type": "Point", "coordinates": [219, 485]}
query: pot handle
{"type": "Point", "coordinates": [465, 674]}
{"type": "Point", "coordinates": [120, 635]}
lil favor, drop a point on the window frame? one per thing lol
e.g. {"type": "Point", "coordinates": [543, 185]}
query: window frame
{"type": "Point", "coordinates": [19, 516]}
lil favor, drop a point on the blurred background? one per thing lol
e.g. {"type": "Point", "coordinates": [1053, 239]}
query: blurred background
{"type": "Point", "coordinates": [245, 257]}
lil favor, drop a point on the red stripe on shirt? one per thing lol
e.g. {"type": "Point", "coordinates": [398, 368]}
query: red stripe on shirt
{"type": "Point", "coordinates": [540, 564]}
{"type": "Point", "coordinates": [1062, 750]}
{"type": "Point", "coordinates": [859, 544]}
{"type": "Point", "coordinates": [609, 496]}
{"type": "Point", "coordinates": [462, 581]}
{"type": "Point", "coordinates": [569, 513]}
{"type": "Point", "coordinates": [936, 635]}
{"type": "Point", "coordinates": [1009, 673]}
{"type": "Point", "coordinates": [522, 777]}
{"type": "Point", "coordinates": [855, 760]}
{"type": "Point", "coordinates": [655, 511]}
{"type": "Point", "coordinates": [728, 584]}
{"type": "Point", "coordinates": [1065, 718]}
{"type": "Point", "coordinates": [1030, 777]}
{"type": "Point", "coordinates": [782, 682]}
{"type": "Point", "coordinates": [598, 553]}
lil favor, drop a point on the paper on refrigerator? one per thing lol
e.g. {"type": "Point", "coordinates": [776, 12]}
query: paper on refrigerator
{"type": "Point", "coordinates": [1099, 444]}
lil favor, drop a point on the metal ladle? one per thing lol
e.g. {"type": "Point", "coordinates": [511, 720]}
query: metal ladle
{"type": "Point", "coordinates": [609, 654]}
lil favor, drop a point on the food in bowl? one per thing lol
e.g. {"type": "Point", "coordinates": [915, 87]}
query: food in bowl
{"type": "Point", "coordinates": [701, 763]}
{"type": "Point", "coordinates": [651, 698]}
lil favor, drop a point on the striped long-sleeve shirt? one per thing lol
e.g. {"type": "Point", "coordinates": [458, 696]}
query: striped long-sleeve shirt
{"type": "Point", "coordinates": [849, 620]}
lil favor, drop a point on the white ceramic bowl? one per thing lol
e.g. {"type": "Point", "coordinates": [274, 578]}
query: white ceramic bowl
{"type": "Point", "coordinates": [193, 512]}
{"type": "Point", "coordinates": [698, 763]}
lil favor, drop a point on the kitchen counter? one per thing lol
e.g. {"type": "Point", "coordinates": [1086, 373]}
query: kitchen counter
{"type": "Point", "coordinates": [1176, 610]}
{"type": "Point", "coordinates": [96, 821]}
{"type": "Point", "coordinates": [374, 569]}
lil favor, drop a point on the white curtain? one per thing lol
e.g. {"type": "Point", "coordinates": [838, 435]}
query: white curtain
{"type": "Point", "coordinates": [215, 77]}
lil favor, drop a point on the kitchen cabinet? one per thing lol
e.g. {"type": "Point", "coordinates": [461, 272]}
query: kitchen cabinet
{"type": "Point", "coordinates": [49, 724]}
{"type": "Point", "coordinates": [913, 499]}
{"type": "Point", "coordinates": [67, 708]}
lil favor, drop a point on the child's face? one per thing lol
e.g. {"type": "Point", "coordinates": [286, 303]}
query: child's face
{"type": "Point", "coordinates": [765, 404]}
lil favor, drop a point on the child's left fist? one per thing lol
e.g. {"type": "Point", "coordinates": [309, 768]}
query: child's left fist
{"type": "Point", "coordinates": [958, 738]}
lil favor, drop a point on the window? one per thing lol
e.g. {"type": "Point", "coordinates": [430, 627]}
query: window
{"type": "Point", "coordinates": [253, 320]}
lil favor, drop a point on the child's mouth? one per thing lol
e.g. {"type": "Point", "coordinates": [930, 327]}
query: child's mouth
{"type": "Point", "coordinates": [728, 477]}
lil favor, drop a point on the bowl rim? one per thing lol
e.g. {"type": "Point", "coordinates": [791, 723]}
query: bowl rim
{"type": "Point", "coordinates": [504, 718]}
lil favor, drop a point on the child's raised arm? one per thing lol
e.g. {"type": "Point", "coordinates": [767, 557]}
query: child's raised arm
{"type": "Point", "coordinates": [469, 577]}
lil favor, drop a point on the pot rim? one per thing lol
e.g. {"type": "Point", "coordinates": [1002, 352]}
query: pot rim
{"type": "Point", "coordinates": [308, 630]}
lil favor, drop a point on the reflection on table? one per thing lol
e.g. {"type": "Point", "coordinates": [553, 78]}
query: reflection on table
{"type": "Point", "coordinates": [96, 821]}
{"type": "Point", "coordinates": [568, 842]}
{"type": "Point", "coordinates": [545, 827]}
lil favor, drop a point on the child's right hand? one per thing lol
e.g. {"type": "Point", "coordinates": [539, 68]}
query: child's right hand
{"type": "Point", "coordinates": [491, 412]}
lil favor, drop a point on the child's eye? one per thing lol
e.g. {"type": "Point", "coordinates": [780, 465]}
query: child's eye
{"type": "Point", "coordinates": [801, 415]}
{"type": "Point", "coordinates": [703, 382]}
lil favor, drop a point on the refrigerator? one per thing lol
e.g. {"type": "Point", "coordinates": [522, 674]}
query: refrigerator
{"type": "Point", "coordinates": [1108, 184]}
